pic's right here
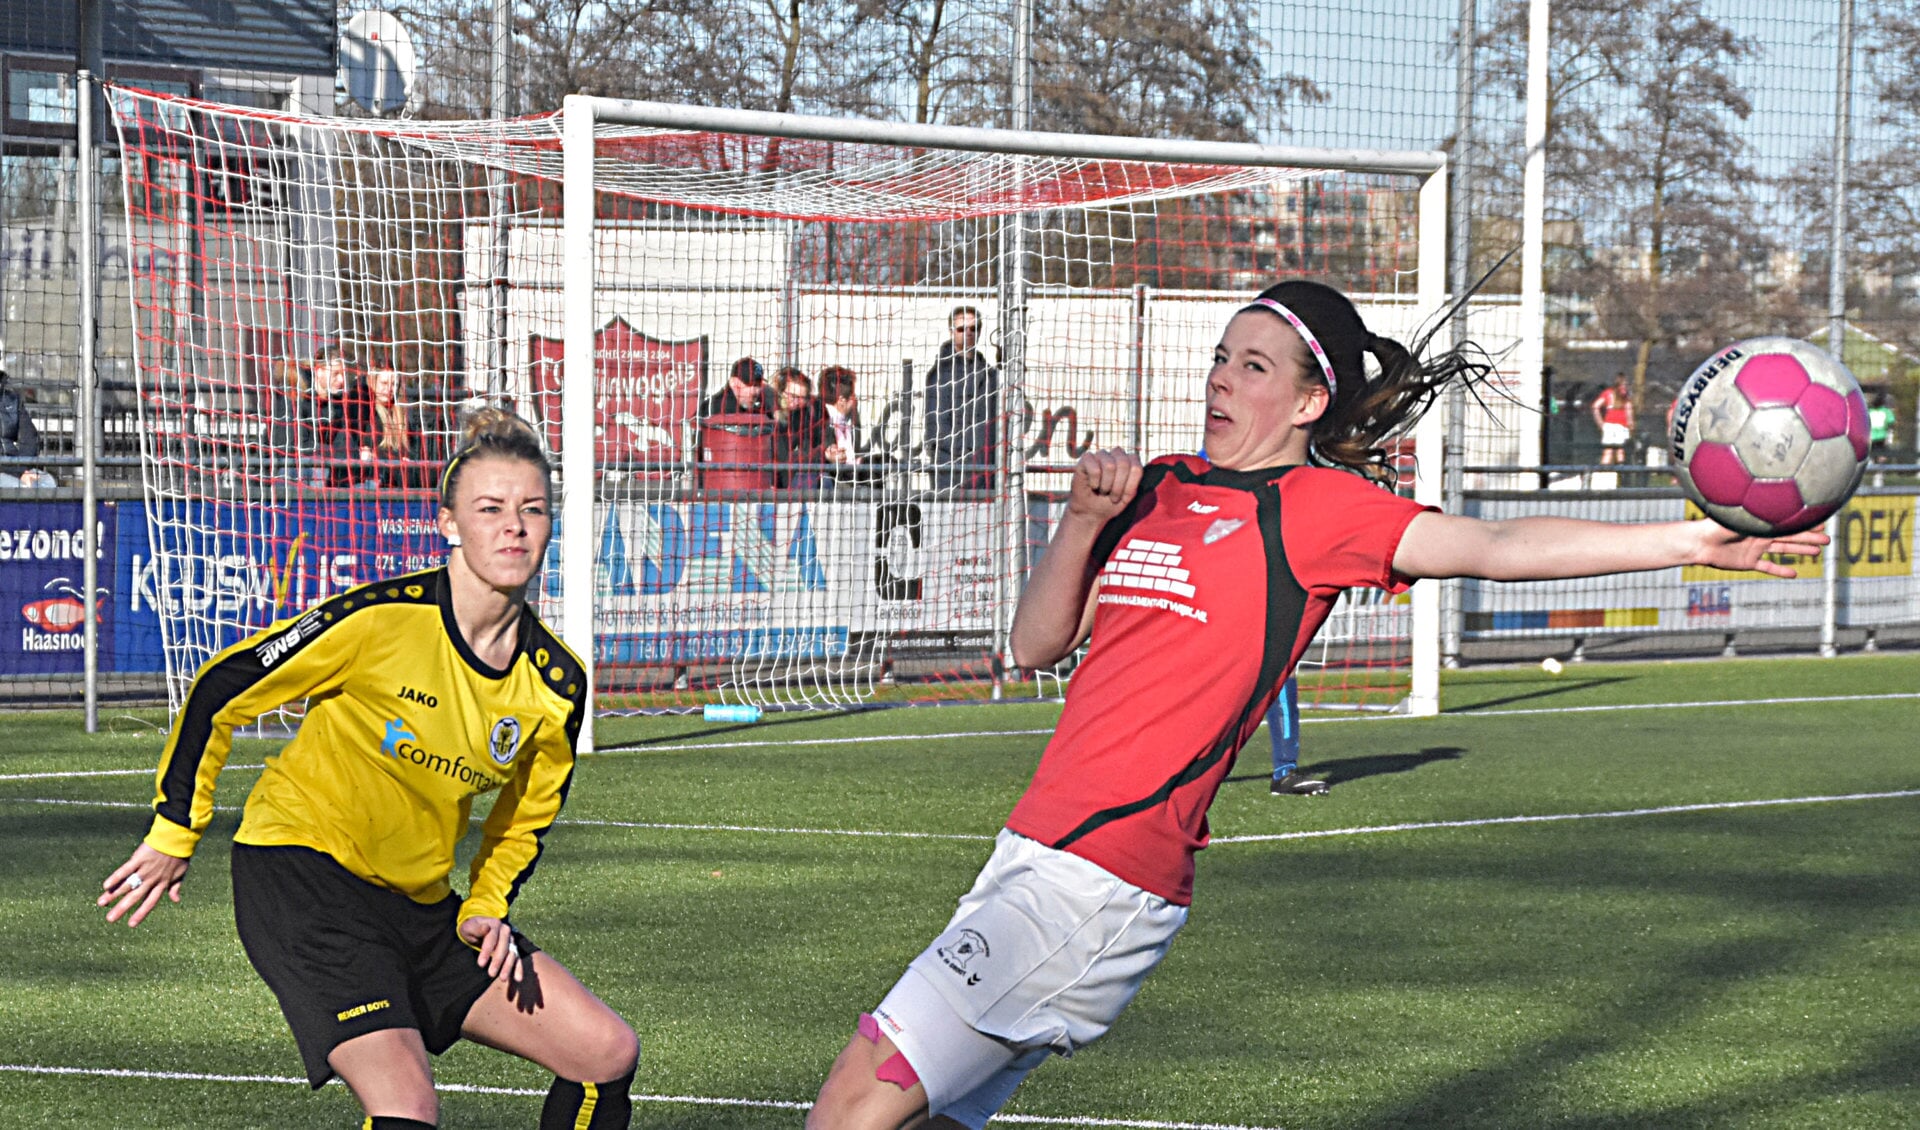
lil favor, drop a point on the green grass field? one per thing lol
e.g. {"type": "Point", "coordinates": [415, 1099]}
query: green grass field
{"type": "Point", "coordinates": [1445, 965]}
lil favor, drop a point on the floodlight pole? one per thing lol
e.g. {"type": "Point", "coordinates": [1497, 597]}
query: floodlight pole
{"type": "Point", "coordinates": [1837, 299]}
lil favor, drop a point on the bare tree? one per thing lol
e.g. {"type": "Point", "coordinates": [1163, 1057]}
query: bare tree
{"type": "Point", "coordinates": [1646, 158]}
{"type": "Point", "coordinates": [1185, 68]}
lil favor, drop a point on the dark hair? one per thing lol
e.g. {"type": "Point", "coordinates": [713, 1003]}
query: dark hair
{"type": "Point", "coordinates": [748, 371]}
{"type": "Point", "coordinates": [959, 310]}
{"type": "Point", "coordinates": [493, 433]}
{"type": "Point", "coordinates": [789, 374]}
{"type": "Point", "coordinates": [836, 381]}
{"type": "Point", "coordinates": [1367, 413]}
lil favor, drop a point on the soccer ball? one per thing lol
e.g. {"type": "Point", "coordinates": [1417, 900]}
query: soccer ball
{"type": "Point", "coordinates": [1770, 435]}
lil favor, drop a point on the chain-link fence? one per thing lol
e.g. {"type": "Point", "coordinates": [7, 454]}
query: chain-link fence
{"type": "Point", "coordinates": [1689, 188]}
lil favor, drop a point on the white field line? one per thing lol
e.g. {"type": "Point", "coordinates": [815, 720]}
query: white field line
{"type": "Point", "coordinates": [1796, 700]}
{"type": "Point", "coordinates": [876, 738]}
{"type": "Point", "coordinates": [1489, 821]}
{"type": "Point", "coordinates": [650, 748]}
{"type": "Point", "coordinates": [57, 774]}
{"type": "Point", "coordinates": [681, 1100]}
{"type": "Point", "coordinates": [1357, 717]}
{"type": "Point", "coordinates": [775, 831]}
{"type": "Point", "coordinates": [1363, 830]}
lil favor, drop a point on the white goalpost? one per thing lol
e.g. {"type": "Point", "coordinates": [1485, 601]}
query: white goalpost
{"type": "Point", "coordinates": [654, 286]}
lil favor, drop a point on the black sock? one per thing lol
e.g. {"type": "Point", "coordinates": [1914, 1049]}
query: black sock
{"type": "Point", "coordinates": [389, 1122]}
{"type": "Point", "coordinates": [612, 1105]}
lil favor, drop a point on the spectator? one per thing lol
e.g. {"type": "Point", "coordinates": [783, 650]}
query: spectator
{"type": "Point", "coordinates": [1613, 414]}
{"type": "Point", "coordinates": [19, 439]}
{"type": "Point", "coordinates": [961, 390]}
{"type": "Point", "coordinates": [847, 455]}
{"type": "Point", "coordinates": [397, 433]}
{"type": "Point", "coordinates": [289, 409]}
{"type": "Point", "coordinates": [742, 393]}
{"type": "Point", "coordinates": [799, 432]}
{"type": "Point", "coordinates": [1880, 426]}
{"type": "Point", "coordinates": [344, 432]}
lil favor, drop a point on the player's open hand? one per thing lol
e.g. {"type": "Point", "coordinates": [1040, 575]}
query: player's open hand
{"type": "Point", "coordinates": [1724, 549]}
{"type": "Point", "coordinates": [1103, 484]}
{"type": "Point", "coordinates": [138, 883]}
{"type": "Point", "coordinates": [494, 938]}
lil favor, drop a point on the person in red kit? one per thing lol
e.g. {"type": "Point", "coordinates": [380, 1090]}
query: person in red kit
{"type": "Point", "coordinates": [1613, 415]}
{"type": "Point", "coordinates": [1202, 584]}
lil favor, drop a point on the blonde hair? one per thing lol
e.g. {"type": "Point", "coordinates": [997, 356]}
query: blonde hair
{"type": "Point", "coordinates": [493, 433]}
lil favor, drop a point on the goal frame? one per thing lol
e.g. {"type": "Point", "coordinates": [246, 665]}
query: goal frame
{"type": "Point", "coordinates": [582, 113]}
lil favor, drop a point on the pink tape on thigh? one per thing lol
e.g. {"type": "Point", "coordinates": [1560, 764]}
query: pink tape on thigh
{"type": "Point", "coordinates": [896, 1070]}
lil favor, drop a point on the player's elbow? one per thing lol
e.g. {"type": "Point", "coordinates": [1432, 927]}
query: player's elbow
{"type": "Point", "coordinates": [1031, 655]}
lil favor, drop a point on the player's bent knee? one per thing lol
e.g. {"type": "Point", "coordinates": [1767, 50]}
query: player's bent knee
{"type": "Point", "coordinates": [621, 1054]}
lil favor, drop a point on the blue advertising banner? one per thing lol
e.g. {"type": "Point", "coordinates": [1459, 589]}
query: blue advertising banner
{"type": "Point", "coordinates": [227, 570]}
{"type": "Point", "coordinates": [42, 605]}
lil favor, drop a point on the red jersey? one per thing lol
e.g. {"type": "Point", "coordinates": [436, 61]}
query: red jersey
{"type": "Point", "coordinates": [1615, 407]}
{"type": "Point", "coordinates": [1211, 586]}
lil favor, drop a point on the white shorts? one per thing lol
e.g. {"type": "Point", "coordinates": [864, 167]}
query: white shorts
{"type": "Point", "coordinates": [1041, 956]}
{"type": "Point", "coordinates": [1613, 435]}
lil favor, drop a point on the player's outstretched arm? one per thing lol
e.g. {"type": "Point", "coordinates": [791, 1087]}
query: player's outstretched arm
{"type": "Point", "coordinates": [137, 884]}
{"type": "Point", "coordinates": [1538, 549]}
{"type": "Point", "coordinates": [1055, 610]}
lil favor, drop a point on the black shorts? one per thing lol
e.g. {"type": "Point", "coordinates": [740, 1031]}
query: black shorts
{"type": "Point", "coordinates": [346, 958]}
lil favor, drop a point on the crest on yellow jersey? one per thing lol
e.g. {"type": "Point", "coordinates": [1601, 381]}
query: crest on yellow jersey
{"type": "Point", "coordinates": [504, 742]}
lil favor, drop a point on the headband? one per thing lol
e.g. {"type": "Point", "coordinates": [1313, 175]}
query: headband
{"type": "Point", "coordinates": [1306, 335]}
{"type": "Point", "coordinates": [448, 473]}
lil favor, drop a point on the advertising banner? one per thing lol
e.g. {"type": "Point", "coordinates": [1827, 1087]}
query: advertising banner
{"type": "Point", "coordinates": [229, 570]}
{"type": "Point", "coordinates": [1873, 550]}
{"type": "Point", "coordinates": [42, 600]}
{"type": "Point", "coordinates": [697, 582]}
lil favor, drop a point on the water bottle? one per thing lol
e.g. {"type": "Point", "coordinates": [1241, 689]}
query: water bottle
{"type": "Point", "coordinates": [729, 712]}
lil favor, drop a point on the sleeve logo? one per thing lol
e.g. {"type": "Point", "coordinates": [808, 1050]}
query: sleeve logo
{"type": "Point", "coordinates": [504, 742]}
{"type": "Point", "coordinates": [277, 648]}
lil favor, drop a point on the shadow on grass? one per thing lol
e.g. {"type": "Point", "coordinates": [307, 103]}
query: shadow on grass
{"type": "Point", "coordinates": [1663, 983]}
{"type": "Point", "coordinates": [1341, 770]}
{"type": "Point", "coordinates": [1557, 687]}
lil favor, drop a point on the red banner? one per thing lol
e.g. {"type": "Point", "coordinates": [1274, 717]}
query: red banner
{"type": "Point", "coordinates": [644, 391]}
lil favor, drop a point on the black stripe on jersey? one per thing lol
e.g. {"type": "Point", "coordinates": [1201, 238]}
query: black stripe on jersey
{"type": "Point", "coordinates": [1286, 608]}
{"type": "Point", "coordinates": [223, 680]}
{"type": "Point", "coordinates": [1118, 525]}
{"type": "Point", "coordinates": [561, 670]}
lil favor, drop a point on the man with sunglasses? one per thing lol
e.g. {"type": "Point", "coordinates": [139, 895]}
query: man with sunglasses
{"type": "Point", "coordinates": [962, 389]}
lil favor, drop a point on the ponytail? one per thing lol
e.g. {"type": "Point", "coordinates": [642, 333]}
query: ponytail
{"type": "Point", "coordinates": [1356, 432]}
{"type": "Point", "coordinates": [1370, 411]}
{"type": "Point", "coordinates": [493, 433]}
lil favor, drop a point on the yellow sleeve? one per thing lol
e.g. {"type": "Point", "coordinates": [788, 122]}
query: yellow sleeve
{"type": "Point", "coordinates": [293, 659]}
{"type": "Point", "coordinates": [512, 838]}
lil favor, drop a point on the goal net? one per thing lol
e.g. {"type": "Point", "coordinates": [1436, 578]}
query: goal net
{"type": "Point", "coordinates": [814, 399]}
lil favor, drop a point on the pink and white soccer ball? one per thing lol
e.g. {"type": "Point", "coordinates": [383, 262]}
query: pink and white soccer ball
{"type": "Point", "coordinates": [1770, 435]}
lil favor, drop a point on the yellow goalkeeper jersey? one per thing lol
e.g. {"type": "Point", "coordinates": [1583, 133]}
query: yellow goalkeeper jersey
{"type": "Point", "coordinates": [405, 726]}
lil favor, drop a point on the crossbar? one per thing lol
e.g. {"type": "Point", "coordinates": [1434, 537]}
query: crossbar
{"type": "Point", "coordinates": [1030, 143]}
